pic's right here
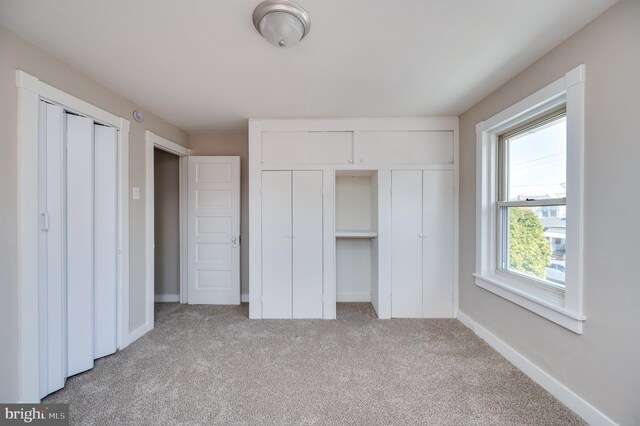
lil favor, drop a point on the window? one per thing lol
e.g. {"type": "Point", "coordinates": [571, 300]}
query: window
{"type": "Point", "coordinates": [532, 189]}
{"type": "Point", "coordinates": [529, 202]}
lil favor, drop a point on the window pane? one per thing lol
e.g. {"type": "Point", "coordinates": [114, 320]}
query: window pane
{"type": "Point", "coordinates": [535, 244]}
{"type": "Point", "coordinates": [537, 162]}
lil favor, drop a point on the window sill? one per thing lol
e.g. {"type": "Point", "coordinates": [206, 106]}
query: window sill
{"type": "Point", "coordinates": [549, 308]}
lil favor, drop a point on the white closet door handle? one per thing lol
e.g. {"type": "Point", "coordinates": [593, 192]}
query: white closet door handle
{"type": "Point", "coordinates": [420, 235]}
{"type": "Point", "coordinates": [290, 236]}
{"type": "Point", "coordinates": [45, 221]}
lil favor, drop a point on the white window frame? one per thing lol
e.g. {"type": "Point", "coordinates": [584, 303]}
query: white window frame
{"type": "Point", "coordinates": [565, 310]}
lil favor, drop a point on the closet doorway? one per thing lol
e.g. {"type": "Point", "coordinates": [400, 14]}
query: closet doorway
{"type": "Point", "coordinates": [166, 233]}
{"type": "Point", "coordinates": [166, 226]}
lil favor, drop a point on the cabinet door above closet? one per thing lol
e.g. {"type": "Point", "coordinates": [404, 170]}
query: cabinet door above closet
{"type": "Point", "coordinates": [302, 148]}
{"type": "Point", "coordinates": [405, 147]}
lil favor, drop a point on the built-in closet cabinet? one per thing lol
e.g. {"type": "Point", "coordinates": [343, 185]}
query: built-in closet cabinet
{"type": "Point", "coordinates": [422, 231]}
{"type": "Point", "coordinates": [353, 210]}
{"type": "Point", "coordinates": [292, 243]}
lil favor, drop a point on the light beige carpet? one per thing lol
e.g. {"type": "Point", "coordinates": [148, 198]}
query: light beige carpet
{"type": "Point", "coordinates": [212, 365]}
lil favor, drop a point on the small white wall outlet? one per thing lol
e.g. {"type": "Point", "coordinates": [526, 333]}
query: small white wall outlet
{"type": "Point", "coordinates": [136, 193]}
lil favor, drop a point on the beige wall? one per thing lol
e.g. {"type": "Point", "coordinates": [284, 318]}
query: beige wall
{"type": "Point", "coordinates": [602, 365]}
{"type": "Point", "coordinates": [16, 53]}
{"type": "Point", "coordinates": [166, 222]}
{"type": "Point", "coordinates": [232, 144]}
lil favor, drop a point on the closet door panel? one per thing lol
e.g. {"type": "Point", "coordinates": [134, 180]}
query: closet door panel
{"type": "Point", "coordinates": [53, 327]}
{"type": "Point", "coordinates": [276, 245]}
{"type": "Point", "coordinates": [307, 244]}
{"type": "Point", "coordinates": [105, 242]}
{"type": "Point", "coordinates": [437, 295]}
{"type": "Point", "coordinates": [406, 244]}
{"type": "Point", "coordinates": [79, 243]}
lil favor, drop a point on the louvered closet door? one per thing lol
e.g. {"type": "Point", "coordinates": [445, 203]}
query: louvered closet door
{"type": "Point", "coordinates": [437, 292]}
{"type": "Point", "coordinates": [276, 244]}
{"type": "Point", "coordinates": [79, 243]}
{"type": "Point", "coordinates": [406, 244]}
{"type": "Point", "coordinates": [307, 244]}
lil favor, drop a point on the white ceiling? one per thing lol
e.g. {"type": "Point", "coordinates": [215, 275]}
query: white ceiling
{"type": "Point", "coordinates": [200, 64]}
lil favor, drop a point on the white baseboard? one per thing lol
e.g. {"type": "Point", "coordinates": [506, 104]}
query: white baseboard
{"type": "Point", "coordinates": [588, 412]}
{"type": "Point", "coordinates": [138, 333]}
{"type": "Point", "coordinates": [244, 298]}
{"type": "Point", "coordinates": [353, 297]}
{"type": "Point", "coordinates": [167, 298]}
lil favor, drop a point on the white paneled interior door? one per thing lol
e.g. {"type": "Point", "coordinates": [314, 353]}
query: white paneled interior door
{"type": "Point", "coordinates": [307, 244]}
{"type": "Point", "coordinates": [437, 292]}
{"type": "Point", "coordinates": [79, 243]}
{"type": "Point", "coordinates": [105, 239]}
{"type": "Point", "coordinates": [406, 244]}
{"type": "Point", "coordinates": [277, 250]}
{"type": "Point", "coordinates": [214, 230]}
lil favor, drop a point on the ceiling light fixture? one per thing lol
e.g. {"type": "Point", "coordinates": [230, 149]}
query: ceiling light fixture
{"type": "Point", "coordinates": [282, 23]}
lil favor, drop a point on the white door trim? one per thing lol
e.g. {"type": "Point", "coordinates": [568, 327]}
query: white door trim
{"type": "Point", "coordinates": [155, 141]}
{"type": "Point", "coordinates": [30, 91]}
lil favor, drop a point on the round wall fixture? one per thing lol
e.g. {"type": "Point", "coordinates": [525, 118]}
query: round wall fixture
{"type": "Point", "coordinates": [282, 23]}
{"type": "Point", "coordinates": [138, 116]}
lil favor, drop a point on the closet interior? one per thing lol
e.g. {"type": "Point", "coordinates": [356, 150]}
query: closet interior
{"type": "Point", "coordinates": [356, 207]}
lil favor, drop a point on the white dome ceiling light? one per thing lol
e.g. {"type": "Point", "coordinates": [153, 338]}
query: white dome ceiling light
{"type": "Point", "coordinates": [282, 23]}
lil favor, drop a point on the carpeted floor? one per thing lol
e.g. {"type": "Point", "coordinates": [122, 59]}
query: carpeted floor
{"type": "Point", "coordinates": [212, 365]}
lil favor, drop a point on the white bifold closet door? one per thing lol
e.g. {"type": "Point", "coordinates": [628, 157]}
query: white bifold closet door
{"type": "Point", "coordinates": [307, 244]}
{"type": "Point", "coordinates": [78, 260]}
{"type": "Point", "coordinates": [79, 243]}
{"type": "Point", "coordinates": [406, 243]}
{"type": "Point", "coordinates": [292, 262]}
{"type": "Point", "coordinates": [52, 277]}
{"type": "Point", "coordinates": [105, 268]}
{"type": "Point", "coordinates": [422, 244]}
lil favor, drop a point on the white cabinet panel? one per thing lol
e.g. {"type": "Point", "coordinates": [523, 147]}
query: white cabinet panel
{"type": "Point", "coordinates": [437, 293]}
{"type": "Point", "coordinates": [284, 147]}
{"type": "Point", "coordinates": [276, 244]}
{"type": "Point", "coordinates": [105, 242]}
{"type": "Point", "coordinates": [79, 243]}
{"type": "Point", "coordinates": [433, 147]}
{"type": "Point", "coordinates": [405, 147]}
{"type": "Point", "coordinates": [307, 244]}
{"type": "Point", "coordinates": [307, 148]}
{"type": "Point", "coordinates": [330, 148]}
{"type": "Point", "coordinates": [406, 244]}
{"type": "Point", "coordinates": [382, 148]}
